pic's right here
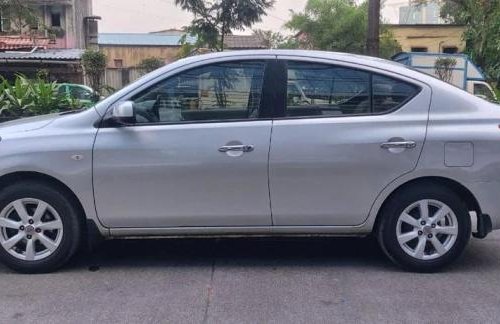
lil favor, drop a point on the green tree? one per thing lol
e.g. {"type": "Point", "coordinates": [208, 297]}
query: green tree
{"type": "Point", "coordinates": [482, 21]}
{"type": "Point", "coordinates": [94, 65]}
{"type": "Point", "coordinates": [269, 38]}
{"type": "Point", "coordinates": [150, 64]}
{"type": "Point", "coordinates": [338, 25]}
{"type": "Point", "coordinates": [276, 40]}
{"type": "Point", "coordinates": [215, 19]}
{"type": "Point", "coordinates": [187, 46]}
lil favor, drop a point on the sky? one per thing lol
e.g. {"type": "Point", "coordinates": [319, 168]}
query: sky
{"type": "Point", "coordinates": [142, 16]}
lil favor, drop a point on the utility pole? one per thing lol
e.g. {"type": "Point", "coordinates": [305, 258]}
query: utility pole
{"type": "Point", "coordinates": [373, 33]}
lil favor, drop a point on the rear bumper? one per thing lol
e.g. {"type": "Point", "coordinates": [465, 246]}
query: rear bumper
{"type": "Point", "coordinates": [487, 196]}
{"type": "Point", "coordinates": [484, 226]}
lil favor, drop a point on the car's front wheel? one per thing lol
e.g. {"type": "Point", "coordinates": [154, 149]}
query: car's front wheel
{"type": "Point", "coordinates": [424, 227]}
{"type": "Point", "coordinates": [39, 227]}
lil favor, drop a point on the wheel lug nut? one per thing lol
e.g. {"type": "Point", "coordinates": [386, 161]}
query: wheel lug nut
{"type": "Point", "coordinates": [38, 230]}
{"type": "Point", "coordinates": [31, 221]}
{"type": "Point", "coordinates": [21, 228]}
{"type": "Point", "coordinates": [28, 237]}
{"type": "Point", "coordinates": [429, 236]}
{"type": "Point", "coordinates": [433, 225]}
{"type": "Point", "coordinates": [422, 223]}
{"type": "Point", "coordinates": [420, 232]}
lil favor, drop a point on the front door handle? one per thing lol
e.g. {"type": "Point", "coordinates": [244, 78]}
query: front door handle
{"type": "Point", "coordinates": [399, 144]}
{"type": "Point", "coordinates": [234, 148]}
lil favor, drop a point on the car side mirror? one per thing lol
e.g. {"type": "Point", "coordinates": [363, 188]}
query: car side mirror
{"type": "Point", "coordinates": [124, 112]}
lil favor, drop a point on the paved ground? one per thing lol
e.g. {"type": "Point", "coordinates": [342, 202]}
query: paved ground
{"type": "Point", "coordinates": [254, 281]}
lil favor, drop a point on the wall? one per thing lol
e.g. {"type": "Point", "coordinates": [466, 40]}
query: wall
{"type": "Point", "coordinates": [118, 78]}
{"type": "Point", "coordinates": [133, 55]}
{"type": "Point", "coordinates": [433, 37]}
{"type": "Point", "coordinates": [82, 9]}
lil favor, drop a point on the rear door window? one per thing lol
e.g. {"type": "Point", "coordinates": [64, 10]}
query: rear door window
{"type": "Point", "coordinates": [315, 89]}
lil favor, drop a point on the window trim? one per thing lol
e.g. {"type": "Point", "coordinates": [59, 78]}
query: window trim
{"type": "Point", "coordinates": [108, 122]}
{"type": "Point", "coordinates": [339, 64]}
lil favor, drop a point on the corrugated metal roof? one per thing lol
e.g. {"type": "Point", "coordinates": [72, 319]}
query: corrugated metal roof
{"type": "Point", "coordinates": [141, 39]}
{"type": "Point", "coordinates": [156, 39]}
{"type": "Point", "coordinates": [244, 42]}
{"type": "Point", "coordinates": [53, 54]}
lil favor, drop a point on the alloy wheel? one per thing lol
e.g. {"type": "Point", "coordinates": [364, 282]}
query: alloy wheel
{"type": "Point", "coordinates": [427, 229]}
{"type": "Point", "coordinates": [30, 229]}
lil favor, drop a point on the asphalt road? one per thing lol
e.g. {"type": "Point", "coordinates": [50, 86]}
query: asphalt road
{"type": "Point", "coordinates": [254, 281]}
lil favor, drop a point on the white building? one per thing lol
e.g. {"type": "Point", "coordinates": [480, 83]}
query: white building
{"type": "Point", "coordinates": [404, 12]}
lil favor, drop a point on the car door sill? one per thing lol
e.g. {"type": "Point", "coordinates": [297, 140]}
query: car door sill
{"type": "Point", "coordinates": [360, 230]}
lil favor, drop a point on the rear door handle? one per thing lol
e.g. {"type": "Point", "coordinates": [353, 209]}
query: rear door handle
{"type": "Point", "coordinates": [399, 144]}
{"type": "Point", "coordinates": [240, 148]}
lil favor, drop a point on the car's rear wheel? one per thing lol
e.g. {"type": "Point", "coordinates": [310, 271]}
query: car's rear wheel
{"type": "Point", "coordinates": [39, 227]}
{"type": "Point", "coordinates": [424, 227]}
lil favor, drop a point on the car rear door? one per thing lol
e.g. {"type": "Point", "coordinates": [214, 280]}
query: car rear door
{"type": "Point", "coordinates": [353, 131]}
{"type": "Point", "coordinates": [196, 156]}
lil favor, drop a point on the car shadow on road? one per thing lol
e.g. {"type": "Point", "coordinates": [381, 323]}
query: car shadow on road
{"type": "Point", "coordinates": [364, 253]}
{"type": "Point", "coordinates": [261, 252]}
{"type": "Point", "coordinates": [251, 252]}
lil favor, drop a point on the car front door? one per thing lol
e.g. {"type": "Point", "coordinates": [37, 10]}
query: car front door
{"type": "Point", "coordinates": [196, 155]}
{"type": "Point", "coordinates": [332, 154]}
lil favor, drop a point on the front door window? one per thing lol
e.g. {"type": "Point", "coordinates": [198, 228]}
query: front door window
{"type": "Point", "coordinates": [219, 92]}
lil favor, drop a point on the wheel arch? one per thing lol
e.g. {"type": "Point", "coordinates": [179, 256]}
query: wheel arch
{"type": "Point", "coordinates": [462, 191]}
{"type": "Point", "coordinates": [10, 178]}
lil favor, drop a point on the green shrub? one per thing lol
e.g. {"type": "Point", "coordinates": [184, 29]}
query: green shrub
{"type": "Point", "coordinates": [94, 65]}
{"type": "Point", "coordinates": [46, 98]}
{"type": "Point", "coordinates": [27, 97]}
{"type": "Point", "coordinates": [18, 97]}
{"type": "Point", "coordinates": [444, 68]}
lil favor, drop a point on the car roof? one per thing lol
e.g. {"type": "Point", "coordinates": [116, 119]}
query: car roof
{"type": "Point", "coordinates": [74, 85]}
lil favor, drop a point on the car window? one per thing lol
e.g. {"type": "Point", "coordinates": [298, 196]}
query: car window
{"type": "Point", "coordinates": [389, 93]}
{"type": "Point", "coordinates": [327, 90]}
{"type": "Point", "coordinates": [483, 91]}
{"type": "Point", "coordinates": [61, 90]}
{"type": "Point", "coordinates": [318, 89]}
{"type": "Point", "coordinates": [227, 91]}
{"type": "Point", "coordinates": [80, 93]}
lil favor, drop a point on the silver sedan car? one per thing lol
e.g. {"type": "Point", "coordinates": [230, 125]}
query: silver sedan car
{"type": "Point", "coordinates": [276, 143]}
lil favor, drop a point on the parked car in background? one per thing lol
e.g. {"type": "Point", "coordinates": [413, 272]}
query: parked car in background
{"type": "Point", "coordinates": [214, 145]}
{"type": "Point", "coordinates": [465, 74]}
{"type": "Point", "coordinates": [86, 95]}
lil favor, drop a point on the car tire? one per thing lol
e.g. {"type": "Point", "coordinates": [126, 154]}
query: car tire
{"type": "Point", "coordinates": [49, 230]}
{"type": "Point", "coordinates": [423, 241]}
